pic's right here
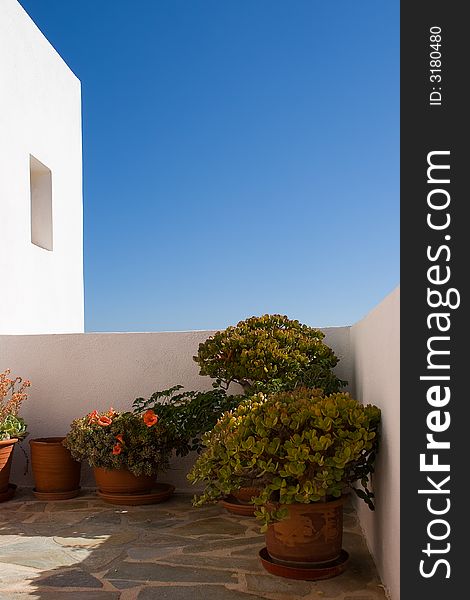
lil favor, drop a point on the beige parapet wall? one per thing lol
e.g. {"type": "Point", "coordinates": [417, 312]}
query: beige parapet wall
{"type": "Point", "coordinates": [375, 351]}
{"type": "Point", "coordinates": [74, 374]}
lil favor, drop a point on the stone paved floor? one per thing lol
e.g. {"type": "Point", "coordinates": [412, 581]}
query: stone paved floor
{"type": "Point", "coordinates": [85, 549]}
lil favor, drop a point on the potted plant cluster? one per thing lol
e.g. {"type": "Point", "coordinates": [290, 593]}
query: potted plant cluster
{"type": "Point", "coordinates": [126, 450]}
{"type": "Point", "coordinates": [12, 426]}
{"type": "Point", "coordinates": [305, 450]}
{"type": "Point", "coordinates": [267, 353]}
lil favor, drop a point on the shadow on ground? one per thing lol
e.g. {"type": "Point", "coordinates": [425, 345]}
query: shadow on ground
{"type": "Point", "coordinates": [85, 549]}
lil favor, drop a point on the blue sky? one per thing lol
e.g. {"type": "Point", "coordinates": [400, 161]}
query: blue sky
{"type": "Point", "coordinates": [240, 157]}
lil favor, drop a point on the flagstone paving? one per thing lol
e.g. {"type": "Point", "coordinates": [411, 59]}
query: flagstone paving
{"type": "Point", "coordinates": [87, 549]}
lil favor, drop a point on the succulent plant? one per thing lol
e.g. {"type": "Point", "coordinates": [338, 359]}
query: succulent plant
{"type": "Point", "coordinates": [12, 427]}
{"type": "Point", "coordinates": [269, 353]}
{"type": "Point", "coordinates": [299, 447]}
{"type": "Point", "coordinates": [12, 395]}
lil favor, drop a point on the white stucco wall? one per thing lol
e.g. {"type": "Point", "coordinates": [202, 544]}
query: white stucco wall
{"type": "Point", "coordinates": [41, 291]}
{"type": "Point", "coordinates": [375, 349]}
{"type": "Point", "coordinates": [74, 374]}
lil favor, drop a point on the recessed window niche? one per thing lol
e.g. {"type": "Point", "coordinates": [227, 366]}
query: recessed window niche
{"type": "Point", "coordinates": [40, 178]}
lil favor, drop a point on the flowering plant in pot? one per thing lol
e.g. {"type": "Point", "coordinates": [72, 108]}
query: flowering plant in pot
{"type": "Point", "coordinates": [269, 353]}
{"type": "Point", "coordinates": [305, 450]}
{"type": "Point", "coordinates": [125, 449]}
{"type": "Point", "coordinates": [12, 426]}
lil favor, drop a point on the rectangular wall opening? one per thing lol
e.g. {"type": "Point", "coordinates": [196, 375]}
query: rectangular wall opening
{"type": "Point", "coordinates": [40, 178]}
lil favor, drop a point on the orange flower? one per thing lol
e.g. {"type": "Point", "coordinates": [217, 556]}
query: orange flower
{"type": "Point", "coordinates": [104, 421]}
{"type": "Point", "coordinates": [117, 449]}
{"type": "Point", "coordinates": [119, 438]}
{"type": "Point", "coordinates": [92, 417]}
{"type": "Point", "coordinates": [150, 418]}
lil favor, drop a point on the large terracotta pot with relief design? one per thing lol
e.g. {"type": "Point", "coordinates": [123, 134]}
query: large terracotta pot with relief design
{"type": "Point", "coordinates": [312, 534]}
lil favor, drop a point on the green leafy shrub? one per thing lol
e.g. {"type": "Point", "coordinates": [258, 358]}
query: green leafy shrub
{"type": "Point", "coordinates": [119, 440]}
{"type": "Point", "coordinates": [12, 395]}
{"type": "Point", "coordinates": [269, 353]}
{"type": "Point", "coordinates": [187, 415]}
{"type": "Point", "coordinates": [298, 447]}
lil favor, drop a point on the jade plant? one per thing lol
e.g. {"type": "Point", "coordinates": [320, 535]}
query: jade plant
{"type": "Point", "coordinates": [12, 395]}
{"type": "Point", "coordinates": [121, 440]}
{"type": "Point", "coordinates": [269, 353]}
{"type": "Point", "coordinates": [297, 446]}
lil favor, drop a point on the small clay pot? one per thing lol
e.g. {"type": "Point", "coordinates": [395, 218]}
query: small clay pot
{"type": "Point", "coordinates": [6, 456]}
{"type": "Point", "coordinates": [245, 494]}
{"type": "Point", "coordinates": [122, 481]}
{"type": "Point", "coordinates": [54, 470]}
{"type": "Point", "coordinates": [311, 534]}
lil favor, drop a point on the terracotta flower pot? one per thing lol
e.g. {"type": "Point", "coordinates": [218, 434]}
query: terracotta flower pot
{"type": "Point", "coordinates": [54, 470]}
{"type": "Point", "coordinates": [6, 455]}
{"type": "Point", "coordinates": [311, 534]}
{"type": "Point", "coordinates": [245, 494]}
{"type": "Point", "coordinates": [122, 481]}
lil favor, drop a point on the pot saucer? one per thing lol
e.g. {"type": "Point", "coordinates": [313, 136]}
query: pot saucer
{"type": "Point", "coordinates": [50, 496]}
{"type": "Point", "coordinates": [9, 493]}
{"type": "Point", "coordinates": [236, 507]}
{"type": "Point", "coordinates": [320, 571]}
{"type": "Point", "coordinates": [160, 492]}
